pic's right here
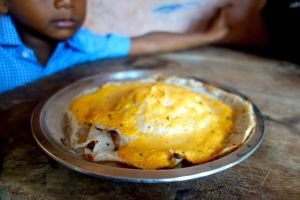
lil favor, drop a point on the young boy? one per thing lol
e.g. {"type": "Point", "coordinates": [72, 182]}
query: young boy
{"type": "Point", "coordinates": [41, 37]}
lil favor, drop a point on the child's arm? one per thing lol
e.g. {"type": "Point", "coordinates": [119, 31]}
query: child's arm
{"type": "Point", "coordinates": [164, 42]}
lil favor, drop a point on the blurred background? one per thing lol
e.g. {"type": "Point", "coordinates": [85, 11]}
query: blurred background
{"type": "Point", "coordinates": [132, 17]}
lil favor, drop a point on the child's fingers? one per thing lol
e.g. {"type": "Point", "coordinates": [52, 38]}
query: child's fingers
{"type": "Point", "coordinates": [217, 26]}
{"type": "Point", "coordinates": [218, 20]}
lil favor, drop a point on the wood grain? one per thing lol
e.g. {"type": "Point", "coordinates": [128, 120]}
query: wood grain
{"type": "Point", "coordinates": [272, 172]}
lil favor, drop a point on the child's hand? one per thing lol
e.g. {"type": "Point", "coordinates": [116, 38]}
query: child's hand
{"type": "Point", "coordinates": [215, 29]}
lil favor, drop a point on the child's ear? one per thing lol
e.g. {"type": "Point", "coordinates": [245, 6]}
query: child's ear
{"type": "Point", "coordinates": [3, 7]}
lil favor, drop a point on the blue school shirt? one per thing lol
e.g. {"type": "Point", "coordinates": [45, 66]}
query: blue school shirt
{"type": "Point", "coordinates": [18, 64]}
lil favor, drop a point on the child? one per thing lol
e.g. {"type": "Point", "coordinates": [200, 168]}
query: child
{"type": "Point", "coordinates": [41, 37]}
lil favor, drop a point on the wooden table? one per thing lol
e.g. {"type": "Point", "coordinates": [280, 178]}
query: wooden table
{"type": "Point", "coordinates": [272, 172]}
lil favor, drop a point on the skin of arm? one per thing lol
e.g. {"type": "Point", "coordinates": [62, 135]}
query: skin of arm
{"type": "Point", "coordinates": [159, 42]}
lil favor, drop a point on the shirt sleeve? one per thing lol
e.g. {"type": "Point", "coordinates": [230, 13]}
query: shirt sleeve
{"type": "Point", "coordinates": [100, 46]}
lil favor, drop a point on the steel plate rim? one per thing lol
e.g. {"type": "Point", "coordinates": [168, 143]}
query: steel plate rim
{"type": "Point", "coordinates": [148, 176]}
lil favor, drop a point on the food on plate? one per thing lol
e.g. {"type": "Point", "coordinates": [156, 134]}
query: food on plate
{"type": "Point", "coordinates": [157, 122]}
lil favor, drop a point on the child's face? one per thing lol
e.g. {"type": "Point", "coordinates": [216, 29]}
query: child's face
{"type": "Point", "coordinates": [54, 19]}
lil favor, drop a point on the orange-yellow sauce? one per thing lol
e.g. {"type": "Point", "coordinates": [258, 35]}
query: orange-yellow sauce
{"type": "Point", "coordinates": [160, 119]}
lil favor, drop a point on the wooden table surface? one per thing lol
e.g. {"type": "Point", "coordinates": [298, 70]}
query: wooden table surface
{"type": "Point", "coordinates": [272, 172]}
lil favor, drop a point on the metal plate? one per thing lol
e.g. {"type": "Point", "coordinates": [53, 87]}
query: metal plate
{"type": "Point", "coordinates": [47, 128]}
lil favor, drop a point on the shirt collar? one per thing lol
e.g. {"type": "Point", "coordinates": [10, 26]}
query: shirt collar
{"type": "Point", "coordinates": [8, 32]}
{"type": "Point", "coordinates": [77, 41]}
